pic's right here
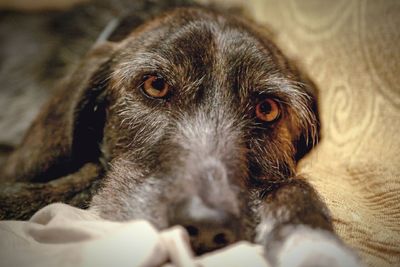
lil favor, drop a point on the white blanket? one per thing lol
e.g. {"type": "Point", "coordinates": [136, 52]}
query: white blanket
{"type": "Point", "coordinates": [61, 235]}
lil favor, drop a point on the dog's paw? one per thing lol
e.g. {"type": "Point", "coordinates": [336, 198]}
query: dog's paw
{"type": "Point", "coordinates": [304, 246]}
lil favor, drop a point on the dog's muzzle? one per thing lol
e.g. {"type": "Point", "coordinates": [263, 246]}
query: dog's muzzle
{"type": "Point", "coordinates": [209, 213]}
{"type": "Point", "coordinates": [208, 228]}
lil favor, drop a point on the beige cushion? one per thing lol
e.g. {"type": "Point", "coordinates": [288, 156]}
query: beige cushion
{"type": "Point", "coordinates": [352, 51]}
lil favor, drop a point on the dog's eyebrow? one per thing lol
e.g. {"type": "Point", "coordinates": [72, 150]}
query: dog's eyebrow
{"type": "Point", "coordinates": [287, 90]}
{"type": "Point", "coordinates": [274, 84]}
{"type": "Point", "coordinates": [140, 63]}
{"type": "Point", "coordinates": [149, 61]}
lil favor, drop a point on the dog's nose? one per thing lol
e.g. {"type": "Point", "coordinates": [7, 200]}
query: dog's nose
{"type": "Point", "coordinates": [208, 228]}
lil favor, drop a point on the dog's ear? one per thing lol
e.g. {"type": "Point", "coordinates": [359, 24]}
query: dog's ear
{"type": "Point", "coordinates": [67, 132]}
{"type": "Point", "coordinates": [311, 136]}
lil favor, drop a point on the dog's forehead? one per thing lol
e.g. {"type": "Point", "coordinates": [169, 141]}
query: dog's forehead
{"type": "Point", "coordinates": [208, 37]}
{"type": "Point", "coordinates": [188, 47]}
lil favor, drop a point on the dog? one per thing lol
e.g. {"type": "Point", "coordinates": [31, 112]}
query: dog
{"type": "Point", "coordinates": [196, 119]}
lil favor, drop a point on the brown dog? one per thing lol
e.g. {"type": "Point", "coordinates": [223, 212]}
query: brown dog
{"type": "Point", "coordinates": [196, 119]}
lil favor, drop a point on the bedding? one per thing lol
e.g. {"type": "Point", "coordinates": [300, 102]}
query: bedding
{"type": "Point", "coordinates": [61, 235]}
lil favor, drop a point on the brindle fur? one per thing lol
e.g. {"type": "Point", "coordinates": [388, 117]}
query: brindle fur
{"type": "Point", "coordinates": [155, 153]}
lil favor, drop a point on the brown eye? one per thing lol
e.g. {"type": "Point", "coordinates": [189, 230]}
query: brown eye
{"type": "Point", "coordinates": [155, 86]}
{"type": "Point", "coordinates": [267, 110]}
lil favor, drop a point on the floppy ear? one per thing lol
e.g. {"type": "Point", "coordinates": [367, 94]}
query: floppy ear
{"type": "Point", "coordinates": [310, 138]}
{"type": "Point", "coordinates": [67, 132]}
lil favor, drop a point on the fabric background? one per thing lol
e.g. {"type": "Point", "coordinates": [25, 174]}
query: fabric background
{"type": "Point", "coordinates": [351, 49]}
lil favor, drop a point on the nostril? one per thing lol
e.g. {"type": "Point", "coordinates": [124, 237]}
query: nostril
{"type": "Point", "coordinates": [220, 239]}
{"type": "Point", "coordinates": [193, 231]}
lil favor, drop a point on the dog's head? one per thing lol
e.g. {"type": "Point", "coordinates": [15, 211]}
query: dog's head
{"type": "Point", "coordinates": [193, 115]}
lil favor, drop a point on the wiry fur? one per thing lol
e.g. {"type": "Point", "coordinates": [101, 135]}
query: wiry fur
{"type": "Point", "coordinates": [203, 141]}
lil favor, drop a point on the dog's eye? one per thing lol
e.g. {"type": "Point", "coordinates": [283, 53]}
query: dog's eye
{"type": "Point", "coordinates": [155, 86]}
{"type": "Point", "coordinates": [268, 110]}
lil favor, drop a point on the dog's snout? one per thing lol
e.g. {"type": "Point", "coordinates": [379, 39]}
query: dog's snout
{"type": "Point", "coordinates": [213, 185]}
{"type": "Point", "coordinates": [208, 228]}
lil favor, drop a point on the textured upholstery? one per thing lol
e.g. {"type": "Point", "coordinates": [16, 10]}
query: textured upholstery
{"type": "Point", "coordinates": [352, 51]}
